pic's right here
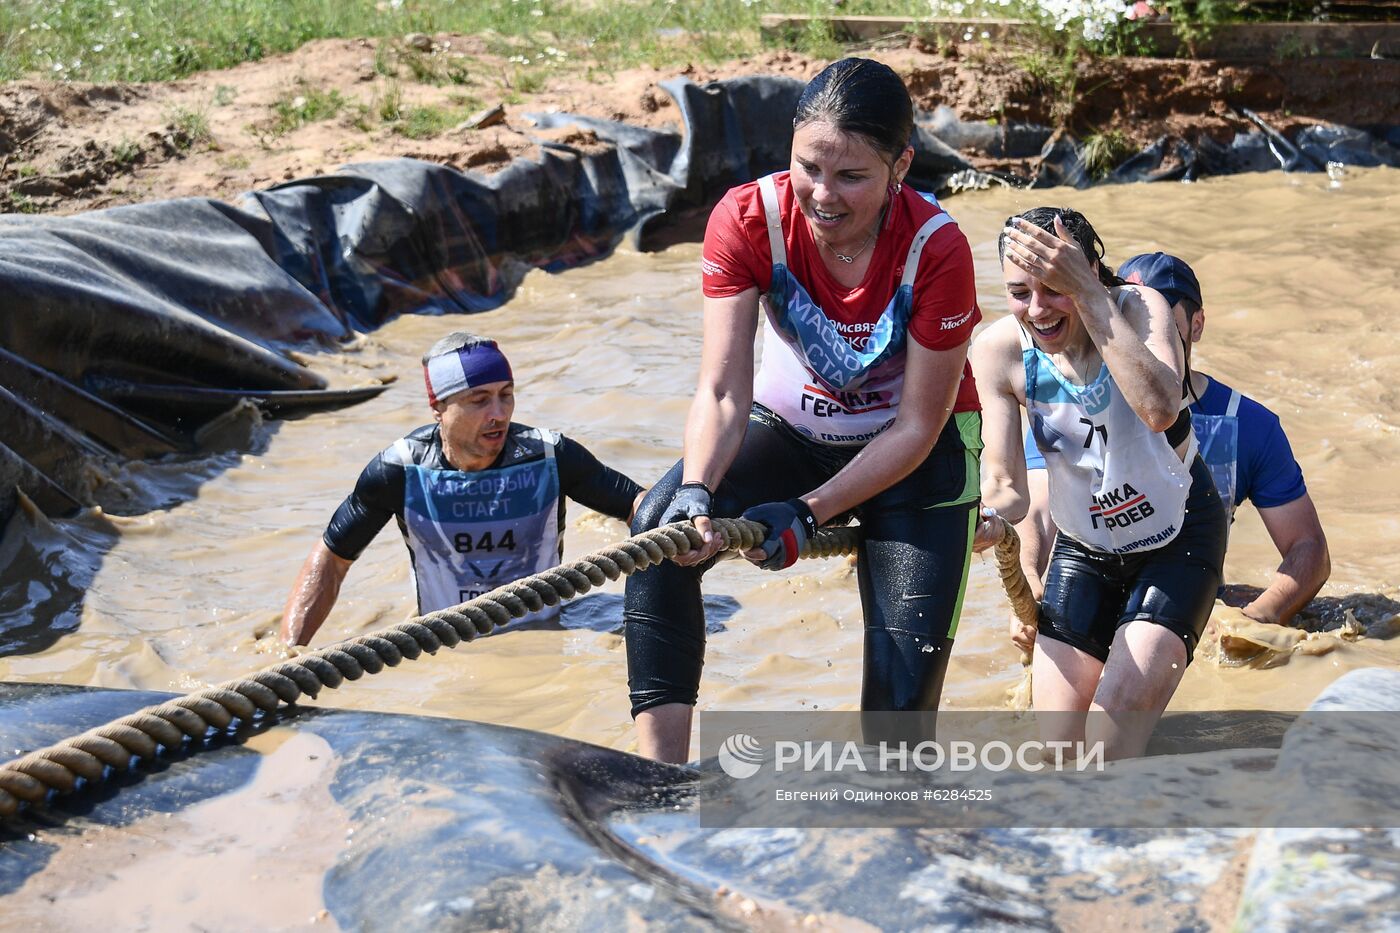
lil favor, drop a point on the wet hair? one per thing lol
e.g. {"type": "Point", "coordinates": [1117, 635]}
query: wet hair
{"type": "Point", "coordinates": [457, 340]}
{"type": "Point", "coordinates": [1079, 229]}
{"type": "Point", "coordinates": [1190, 307]}
{"type": "Point", "coordinates": [861, 97]}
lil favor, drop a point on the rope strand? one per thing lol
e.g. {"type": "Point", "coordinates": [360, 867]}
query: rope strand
{"type": "Point", "coordinates": [140, 735]}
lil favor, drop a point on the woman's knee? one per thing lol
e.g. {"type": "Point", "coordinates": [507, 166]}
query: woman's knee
{"type": "Point", "coordinates": [665, 655]}
{"type": "Point", "coordinates": [656, 500]}
{"type": "Point", "coordinates": [904, 671]}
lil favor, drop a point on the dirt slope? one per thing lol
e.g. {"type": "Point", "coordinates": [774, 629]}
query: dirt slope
{"type": "Point", "coordinates": [73, 147]}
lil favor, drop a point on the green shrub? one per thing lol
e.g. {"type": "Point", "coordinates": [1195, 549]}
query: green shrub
{"type": "Point", "coordinates": [1102, 151]}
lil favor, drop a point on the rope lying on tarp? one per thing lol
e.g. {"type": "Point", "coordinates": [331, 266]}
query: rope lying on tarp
{"type": "Point", "coordinates": [59, 767]}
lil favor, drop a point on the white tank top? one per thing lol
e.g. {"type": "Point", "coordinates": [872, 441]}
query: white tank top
{"type": "Point", "coordinates": [830, 388]}
{"type": "Point", "coordinates": [1116, 485]}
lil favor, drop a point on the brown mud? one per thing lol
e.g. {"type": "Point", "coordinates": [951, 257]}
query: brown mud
{"type": "Point", "coordinates": [69, 147]}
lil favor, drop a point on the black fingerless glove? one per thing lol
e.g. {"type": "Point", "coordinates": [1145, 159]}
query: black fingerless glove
{"type": "Point", "coordinates": [691, 500]}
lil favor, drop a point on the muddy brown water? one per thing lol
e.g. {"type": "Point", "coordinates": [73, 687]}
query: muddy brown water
{"type": "Point", "coordinates": [1300, 288]}
{"type": "Point", "coordinates": [1300, 285]}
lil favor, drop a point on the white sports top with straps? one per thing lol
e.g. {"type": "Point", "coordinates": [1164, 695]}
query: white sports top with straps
{"type": "Point", "coordinates": [1116, 485]}
{"type": "Point", "coordinates": [832, 389]}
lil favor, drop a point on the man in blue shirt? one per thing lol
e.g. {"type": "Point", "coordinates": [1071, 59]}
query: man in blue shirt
{"type": "Point", "coordinates": [1243, 444]}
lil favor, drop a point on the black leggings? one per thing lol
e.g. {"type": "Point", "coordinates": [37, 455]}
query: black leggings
{"type": "Point", "coordinates": [912, 567]}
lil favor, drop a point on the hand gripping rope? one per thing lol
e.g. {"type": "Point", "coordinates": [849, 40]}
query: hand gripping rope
{"type": "Point", "coordinates": [30, 778]}
{"type": "Point", "coordinates": [1023, 605]}
{"type": "Point", "coordinates": [1013, 579]}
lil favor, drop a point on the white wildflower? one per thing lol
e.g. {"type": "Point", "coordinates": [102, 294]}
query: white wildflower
{"type": "Point", "coordinates": [1090, 18]}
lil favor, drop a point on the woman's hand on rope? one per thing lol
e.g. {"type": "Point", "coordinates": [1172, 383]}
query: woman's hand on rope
{"type": "Point", "coordinates": [989, 530]}
{"type": "Point", "coordinates": [692, 501]}
{"type": "Point", "coordinates": [790, 524]}
{"type": "Point", "coordinates": [1022, 635]}
{"type": "Point", "coordinates": [1053, 258]}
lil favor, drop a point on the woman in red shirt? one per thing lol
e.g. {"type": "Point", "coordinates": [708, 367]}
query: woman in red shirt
{"type": "Point", "coordinates": [864, 404]}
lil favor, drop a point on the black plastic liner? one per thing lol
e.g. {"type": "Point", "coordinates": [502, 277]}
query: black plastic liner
{"type": "Point", "coordinates": [1312, 149]}
{"type": "Point", "coordinates": [123, 332]}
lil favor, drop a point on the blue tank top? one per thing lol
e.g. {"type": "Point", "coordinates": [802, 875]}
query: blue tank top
{"type": "Point", "coordinates": [472, 532]}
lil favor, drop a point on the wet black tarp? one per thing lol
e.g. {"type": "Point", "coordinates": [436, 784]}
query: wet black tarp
{"type": "Point", "coordinates": [124, 332]}
{"type": "Point", "coordinates": [449, 824]}
{"type": "Point", "coordinates": [1311, 149]}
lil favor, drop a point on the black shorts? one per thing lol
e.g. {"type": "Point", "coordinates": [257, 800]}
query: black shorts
{"type": "Point", "coordinates": [1089, 594]}
{"type": "Point", "coordinates": [916, 538]}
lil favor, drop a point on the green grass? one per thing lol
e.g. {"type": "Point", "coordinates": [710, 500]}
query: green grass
{"type": "Point", "coordinates": [302, 104]}
{"type": "Point", "coordinates": [19, 204]}
{"type": "Point", "coordinates": [158, 40]}
{"type": "Point", "coordinates": [436, 67]}
{"type": "Point", "coordinates": [190, 126]}
{"type": "Point", "coordinates": [126, 151]}
{"type": "Point", "coordinates": [423, 122]}
{"type": "Point", "coordinates": [390, 106]}
{"type": "Point", "coordinates": [527, 81]}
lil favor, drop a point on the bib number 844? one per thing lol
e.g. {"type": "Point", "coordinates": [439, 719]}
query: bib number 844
{"type": "Point", "coordinates": [466, 544]}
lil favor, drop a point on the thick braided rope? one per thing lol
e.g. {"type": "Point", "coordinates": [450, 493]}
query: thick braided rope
{"type": "Point", "coordinates": [141, 734]}
{"type": "Point", "coordinates": [1013, 580]}
{"type": "Point", "coordinates": [1023, 605]}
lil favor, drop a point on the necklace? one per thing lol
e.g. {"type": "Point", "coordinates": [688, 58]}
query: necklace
{"type": "Point", "coordinates": [841, 257]}
{"type": "Point", "coordinates": [874, 232]}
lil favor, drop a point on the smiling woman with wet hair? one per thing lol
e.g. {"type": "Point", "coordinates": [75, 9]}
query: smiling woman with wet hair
{"type": "Point", "coordinates": [1099, 368]}
{"type": "Point", "coordinates": [860, 98]}
{"type": "Point", "coordinates": [864, 404]}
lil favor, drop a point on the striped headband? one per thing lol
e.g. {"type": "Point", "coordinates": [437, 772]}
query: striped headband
{"type": "Point", "coordinates": [464, 369]}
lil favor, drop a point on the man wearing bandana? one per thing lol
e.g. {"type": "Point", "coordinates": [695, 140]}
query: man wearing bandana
{"type": "Point", "coordinates": [479, 498]}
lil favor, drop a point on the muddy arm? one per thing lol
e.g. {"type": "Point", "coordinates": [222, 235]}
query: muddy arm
{"type": "Point", "coordinates": [313, 595]}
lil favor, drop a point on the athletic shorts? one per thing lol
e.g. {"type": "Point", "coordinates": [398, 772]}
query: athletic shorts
{"type": "Point", "coordinates": [1090, 594]}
